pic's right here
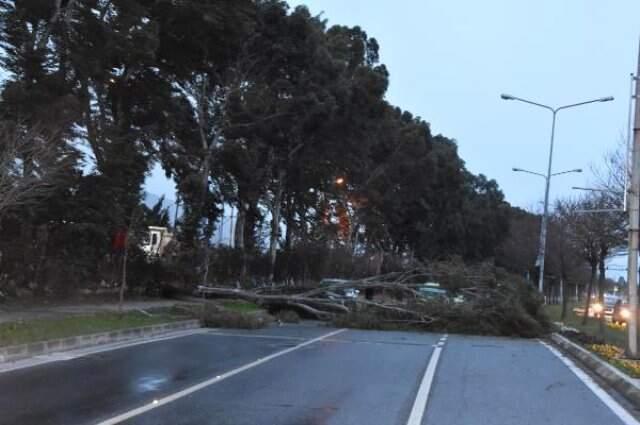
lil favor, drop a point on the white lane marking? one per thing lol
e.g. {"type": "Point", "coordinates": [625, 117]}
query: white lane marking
{"type": "Point", "coordinates": [175, 396]}
{"type": "Point", "coordinates": [615, 407]}
{"type": "Point", "coordinates": [87, 351]}
{"type": "Point", "coordinates": [422, 397]}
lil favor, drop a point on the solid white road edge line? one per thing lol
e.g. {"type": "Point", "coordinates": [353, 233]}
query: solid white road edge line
{"type": "Point", "coordinates": [615, 407]}
{"type": "Point", "coordinates": [422, 397]}
{"type": "Point", "coordinates": [175, 396]}
{"type": "Point", "coordinates": [87, 351]}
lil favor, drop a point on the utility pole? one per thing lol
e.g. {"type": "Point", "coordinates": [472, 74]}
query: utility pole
{"type": "Point", "coordinates": [634, 226]}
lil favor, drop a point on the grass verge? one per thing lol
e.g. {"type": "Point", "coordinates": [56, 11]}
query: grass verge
{"type": "Point", "coordinates": [14, 333]}
{"type": "Point", "coordinates": [608, 345]}
{"type": "Point", "coordinates": [240, 306]}
{"type": "Point", "coordinates": [613, 334]}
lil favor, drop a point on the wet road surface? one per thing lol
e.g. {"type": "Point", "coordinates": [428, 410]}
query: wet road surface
{"type": "Point", "coordinates": [308, 374]}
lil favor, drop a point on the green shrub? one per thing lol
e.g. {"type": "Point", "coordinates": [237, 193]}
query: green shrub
{"type": "Point", "coordinates": [240, 306]}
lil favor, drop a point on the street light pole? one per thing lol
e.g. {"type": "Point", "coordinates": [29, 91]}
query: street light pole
{"type": "Point", "coordinates": [545, 215]}
{"type": "Point", "coordinates": [543, 228]}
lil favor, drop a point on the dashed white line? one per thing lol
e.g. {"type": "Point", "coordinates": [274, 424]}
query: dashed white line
{"type": "Point", "coordinates": [175, 396]}
{"type": "Point", "coordinates": [422, 397]}
{"type": "Point", "coordinates": [615, 407]}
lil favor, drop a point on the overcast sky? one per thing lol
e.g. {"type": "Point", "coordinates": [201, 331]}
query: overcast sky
{"type": "Point", "coordinates": [450, 59]}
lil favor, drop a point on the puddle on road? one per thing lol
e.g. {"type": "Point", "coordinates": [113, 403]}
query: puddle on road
{"type": "Point", "coordinates": [149, 383]}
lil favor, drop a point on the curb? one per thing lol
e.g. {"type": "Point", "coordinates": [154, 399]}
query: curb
{"type": "Point", "coordinates": [625, 385]}
{"type": "Point", "coordinates": [23, 351]}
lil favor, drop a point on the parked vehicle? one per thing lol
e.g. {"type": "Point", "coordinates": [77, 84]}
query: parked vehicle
{"type": "Point", "coordinates": [341, 293]}
{"type": "Point", "coordinates": [432, 290]}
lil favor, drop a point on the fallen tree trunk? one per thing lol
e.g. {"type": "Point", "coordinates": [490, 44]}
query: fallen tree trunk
{"type": "Point", "coordinates": [320, 315]}
{"type": "Point", "coordinates": [317, 307]}
{"type": "Point", "coordinates": [320, 308]}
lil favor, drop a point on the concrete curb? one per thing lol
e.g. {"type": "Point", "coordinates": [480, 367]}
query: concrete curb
{"type": "Point", "coordinates": [19, 352]}
{"type": "Point", "coordinates": [625, 385]}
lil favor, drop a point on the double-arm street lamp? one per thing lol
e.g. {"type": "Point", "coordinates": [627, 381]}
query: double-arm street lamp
{"type": "Point", "coordinates": [547, 177]}
{"type": "Point", "coordinates": [520, 170]}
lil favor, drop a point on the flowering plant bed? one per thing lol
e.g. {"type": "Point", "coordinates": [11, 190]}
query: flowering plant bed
{"type": "Point", "coordinates": [614, 355]}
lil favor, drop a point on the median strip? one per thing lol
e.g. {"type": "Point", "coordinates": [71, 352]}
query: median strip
{"type": "Point", "coordinates": [39, 348]}
{"type": "Point", "coordinates": [214, 380]}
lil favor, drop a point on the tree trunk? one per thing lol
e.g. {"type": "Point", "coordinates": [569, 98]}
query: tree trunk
{"type": "Point", "coordinates": [563, 298]}
{"type": "Point", "coordinates": [601, 277]}
{"type": "Point", "coordinates": [380, 260]}
{"type": "Point", "coordinates": [589, 289]}
{"type": "Point", "coordinates": [207, 146]}
{"type": "Point", "coordinates": [238, 236]}
{"type": "Point", "coordinates": [288, 239]}
{"type": "Point", "coordinates": [125, 255]}
{"type": "Point", "coordinates": [42, 236]}
{"type": "Point", "coordinates": [275, 223]}
{"type": "Point", "coordinates": [251, 222]}
{"type": "Point", "coordinates": [123, 283]}
{"type": "Point", "coordinates": [208, 230]}
{"type": "Point", "coordinates": [239, 239]}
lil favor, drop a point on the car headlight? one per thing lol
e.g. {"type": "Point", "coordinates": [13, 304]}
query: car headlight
{"type": "Point", "coordinates": [597, 308]}
{"type": "Point", "coordinates": [625, 313]}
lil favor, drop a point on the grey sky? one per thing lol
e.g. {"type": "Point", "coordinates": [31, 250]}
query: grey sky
{"type": "Point", "coordinates": [450, 60]}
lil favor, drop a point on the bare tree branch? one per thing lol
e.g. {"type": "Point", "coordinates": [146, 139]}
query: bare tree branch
{"type": "Point", "coordinates": [29, 167]}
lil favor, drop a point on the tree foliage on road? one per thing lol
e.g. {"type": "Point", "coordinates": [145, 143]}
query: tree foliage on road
{"type": "Point", "coordinates": [246, 103]}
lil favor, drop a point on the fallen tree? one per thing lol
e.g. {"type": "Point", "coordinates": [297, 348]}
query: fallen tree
{"type": "Point", "coordinates": [494, 301]}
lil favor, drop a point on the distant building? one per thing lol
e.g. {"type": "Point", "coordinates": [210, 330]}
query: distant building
{"type": "Point", "coordinates": [159, 238]}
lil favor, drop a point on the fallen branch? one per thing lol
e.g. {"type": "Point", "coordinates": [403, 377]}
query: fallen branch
{"type": "Point", "coordinates": [318, 307]}
{"type": "Point", "coordinates": [320, 315]}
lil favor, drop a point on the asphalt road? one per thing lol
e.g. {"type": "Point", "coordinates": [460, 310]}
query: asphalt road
{"type": "Point", "coordinates": [298, 375]}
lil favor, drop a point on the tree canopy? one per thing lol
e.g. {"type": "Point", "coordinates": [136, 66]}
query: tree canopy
{"type": "Point", "coordinates": [247, 103]}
